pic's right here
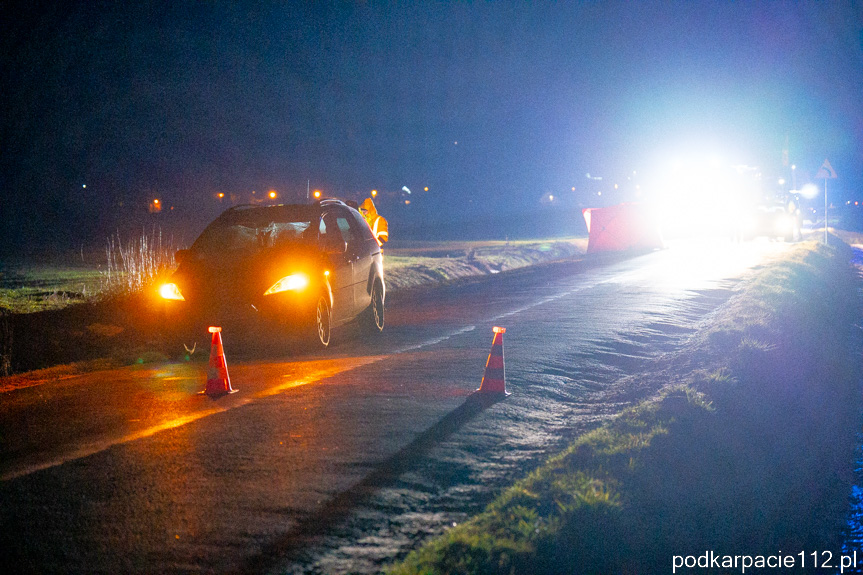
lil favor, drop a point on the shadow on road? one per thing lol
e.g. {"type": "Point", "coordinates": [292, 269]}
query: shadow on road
{"type": "Point", "coordinates": [319, 523]}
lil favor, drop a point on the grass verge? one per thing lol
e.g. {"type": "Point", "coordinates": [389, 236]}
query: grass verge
{"type": "Point", "coordinates": [748, 451]}
{"type": "Point", "coordinates": [129, 266]}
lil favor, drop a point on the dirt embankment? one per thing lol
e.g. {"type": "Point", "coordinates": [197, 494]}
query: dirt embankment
{"type": "Point", "coordinates": [748, 452]}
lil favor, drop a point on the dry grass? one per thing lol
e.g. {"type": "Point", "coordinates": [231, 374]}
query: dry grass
{"type": "Point", "coordinates": [130, 265]}
{"type": "Point", "coordinates": [135, 263]}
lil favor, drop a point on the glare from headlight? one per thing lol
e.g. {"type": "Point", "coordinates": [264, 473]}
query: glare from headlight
{"type": "Point", "coordinates": [783, 224]}
{"type": "Point", "coordinates": [293, 282]}
{"type": "Point", "coordinates": [171, 291]}
{"type": "Point", "coordinates": [747, 222]}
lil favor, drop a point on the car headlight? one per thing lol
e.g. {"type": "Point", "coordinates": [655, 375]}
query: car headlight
{"type": "Point", "coordinates": [293, 282]}
{"type": "Point", "coordinates": [747, 221]}
{"type": "Point", "coordinates": [171, 291]}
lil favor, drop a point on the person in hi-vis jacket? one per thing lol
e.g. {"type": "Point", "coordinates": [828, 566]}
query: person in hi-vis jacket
{"type": "Point", "coordinates": [376, 222]}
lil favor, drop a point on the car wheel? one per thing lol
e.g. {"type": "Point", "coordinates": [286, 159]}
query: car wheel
{"type": "Point", "coordinates": [372, 319]}
{"type": "Point", "coordinates": [320, 328]}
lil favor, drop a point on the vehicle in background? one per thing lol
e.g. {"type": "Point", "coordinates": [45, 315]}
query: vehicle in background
{"type": "Point", "coordinates": [305, 268]}
{"type": "Point", "coordinates": [773, 221]}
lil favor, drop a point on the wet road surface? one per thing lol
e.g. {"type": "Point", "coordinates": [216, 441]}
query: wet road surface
{"type": "Point", "coordinates": [342, 461]}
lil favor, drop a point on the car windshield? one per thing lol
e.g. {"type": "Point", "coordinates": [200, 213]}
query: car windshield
{"type": "Point", "coordinates": [257, 228]}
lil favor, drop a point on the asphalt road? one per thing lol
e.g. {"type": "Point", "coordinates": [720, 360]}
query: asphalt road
{"type": "Point", "coordinates": [341, 461]}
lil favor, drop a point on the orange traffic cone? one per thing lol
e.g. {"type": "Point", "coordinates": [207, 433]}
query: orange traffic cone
{"type": "Point", "coordinates": [494, 378]}
{"type": "Point", "coordinates": [218, 381]}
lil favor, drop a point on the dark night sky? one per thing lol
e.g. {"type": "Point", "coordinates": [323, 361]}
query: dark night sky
{"type": "Point", "coordinates": [182, 100]}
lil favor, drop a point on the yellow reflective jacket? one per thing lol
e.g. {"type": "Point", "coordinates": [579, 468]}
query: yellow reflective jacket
{"type": "Point", "coordinates": [377, 222]}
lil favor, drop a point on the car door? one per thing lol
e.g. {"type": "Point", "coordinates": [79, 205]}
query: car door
{"type": "Point", "coordinates": [365, 248]}
{"type": "Point", "coordinates": [341, 267]}
{"type": "Point", "coordinates": [357, 254]}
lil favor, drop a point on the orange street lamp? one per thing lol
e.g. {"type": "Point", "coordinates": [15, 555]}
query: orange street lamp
{"type": "Point", "coordinates": [317, 194]}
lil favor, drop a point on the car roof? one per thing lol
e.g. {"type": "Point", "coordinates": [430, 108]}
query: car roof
{"type": "Point", "coordinates": [246, 212]}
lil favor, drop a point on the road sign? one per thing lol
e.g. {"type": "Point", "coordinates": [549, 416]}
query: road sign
{"type": "Point", "coordinates": [826, 172]}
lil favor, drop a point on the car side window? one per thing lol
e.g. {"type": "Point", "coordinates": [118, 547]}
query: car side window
{"type": "Point", "coordinates": [322, 229]}
{"type": "Point", "coordinates": [364, 231]}
{"type": "Point", "coordinates": [345, 228]}
{"type": "Point", "coordinates": [336, 225]}
{"type": "Point", "coordinates": [339, 222]}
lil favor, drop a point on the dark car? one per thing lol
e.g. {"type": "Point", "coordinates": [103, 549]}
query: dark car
{"type": "Point", "coordinates": [305, 267]}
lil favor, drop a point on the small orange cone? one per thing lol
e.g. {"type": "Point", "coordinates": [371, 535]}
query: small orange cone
{"type": "Point", "coordinates": [494, 378]}
{"type": "Point", "coordinates": [218, 381]}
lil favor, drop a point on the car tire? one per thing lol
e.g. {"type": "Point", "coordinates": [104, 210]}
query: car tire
{"type": "Point", "coordinates": [372, 319]}
{"type": "Point", "coordinates": [319, 331]}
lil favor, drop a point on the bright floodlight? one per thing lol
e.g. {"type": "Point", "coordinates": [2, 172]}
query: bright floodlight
{"type": "Point", "coordinates": [699, 193]}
